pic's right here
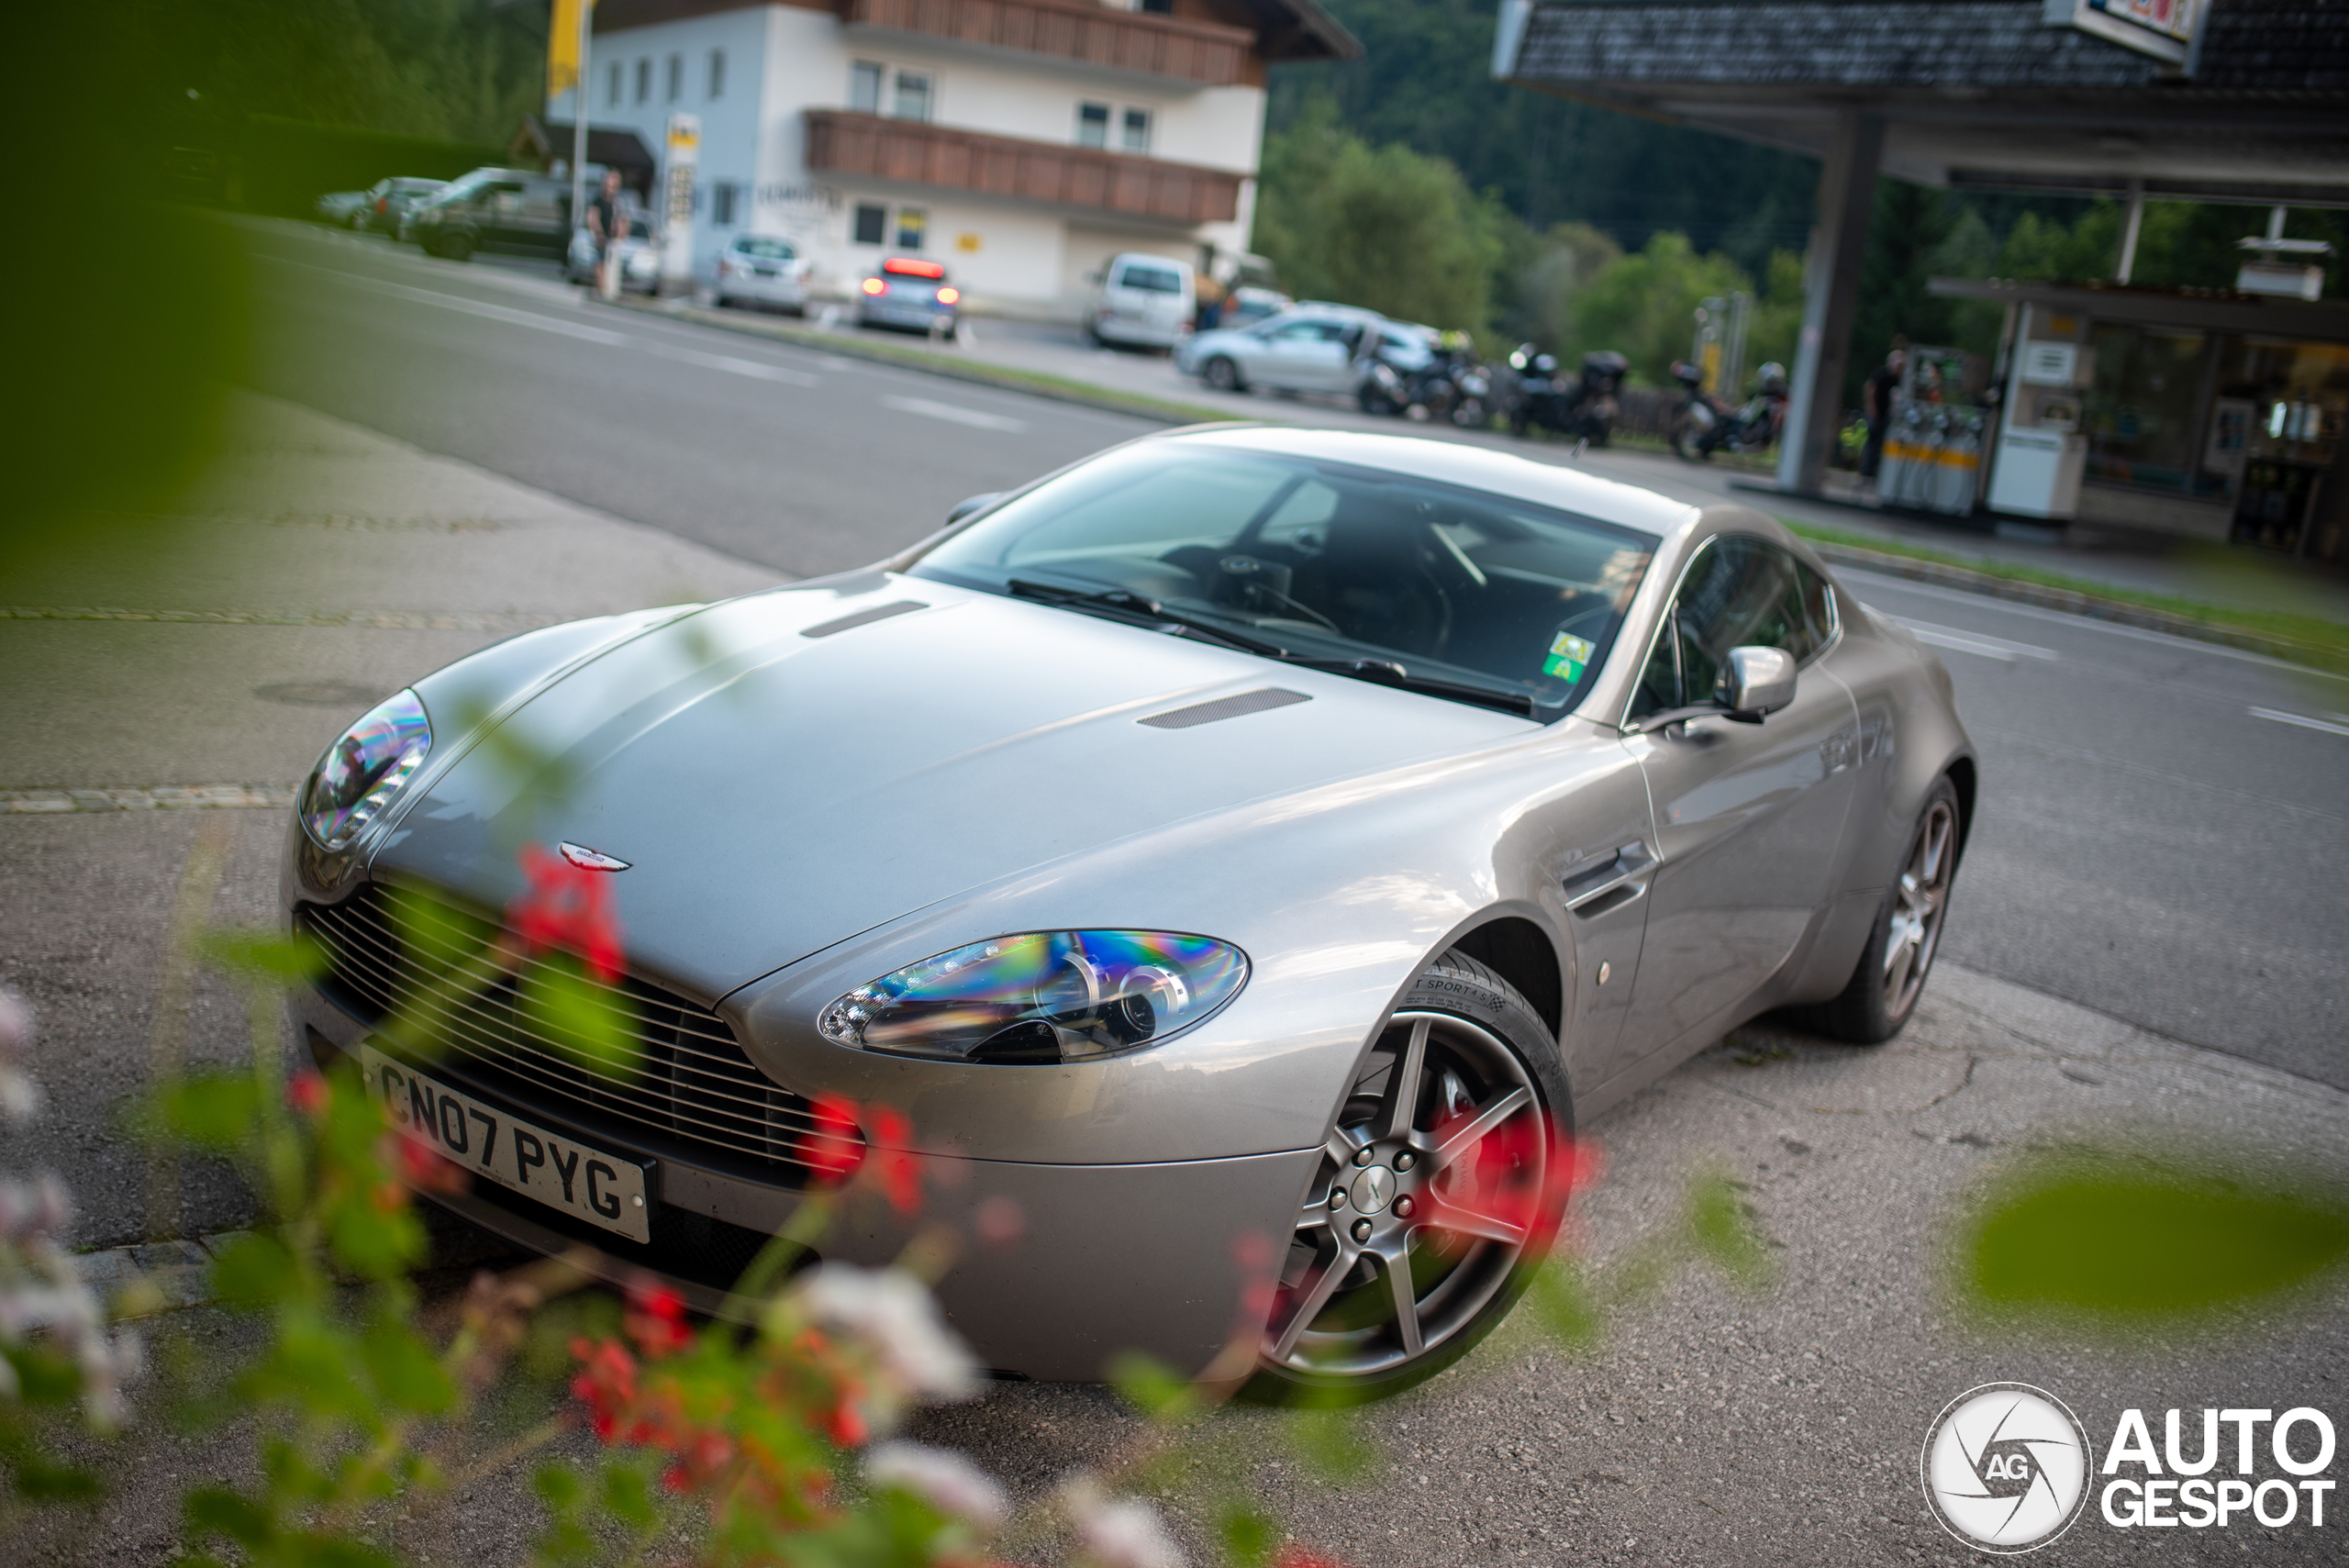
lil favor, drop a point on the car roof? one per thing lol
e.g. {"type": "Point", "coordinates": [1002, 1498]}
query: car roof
{"type": "Point", "coordinates": [1456, 463]}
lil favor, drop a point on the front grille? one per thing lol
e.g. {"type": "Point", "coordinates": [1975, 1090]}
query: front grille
{"type": "Point", "coordinates": [681, 1075]}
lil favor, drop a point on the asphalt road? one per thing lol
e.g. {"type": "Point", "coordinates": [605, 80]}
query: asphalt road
{"type": "Point", "coordinates": [2151, 846]}
{"type": "Point", "coordinates": [803, 462]}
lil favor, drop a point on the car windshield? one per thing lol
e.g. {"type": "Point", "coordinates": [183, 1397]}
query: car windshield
{"type": "Point", "coordinates": [1323, 562]}
{"type": "Point", "coordinates": [764, 249]}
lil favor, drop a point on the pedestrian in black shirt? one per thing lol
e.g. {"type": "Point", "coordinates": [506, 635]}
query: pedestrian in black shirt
{"type": "Point", "coordinates": [607, 223]}
{"type": "Point", "coordinates": [1876, 402]}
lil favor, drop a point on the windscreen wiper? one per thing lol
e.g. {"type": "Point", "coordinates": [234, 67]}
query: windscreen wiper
{"type": "Point", "coordinates": [1143, 609]}
{"type": "Point", "coordinates": [1386, 673]}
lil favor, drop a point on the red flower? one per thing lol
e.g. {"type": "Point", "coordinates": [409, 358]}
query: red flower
{"type": "Point", "coordinates": [834, 1149]}
{"type": "Point", "coordinates": [607, 1385]}
{"type": "Point", "coordinates": [1294, 1556]}
{"type": "Point", "coordinates": [565, 905]}
{"type": "Point", "coordinates": [656, 1318]}
{"type": "Point", "coordinates": [309, 1093]}
{"type": "Point", "coordinates": [1520, 1176]}
{"type": "Point", "coordinates": [894, 1163]}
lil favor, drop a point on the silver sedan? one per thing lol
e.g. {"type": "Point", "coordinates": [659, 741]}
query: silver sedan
{"type": "Point", "coordinates": [1240, 857]}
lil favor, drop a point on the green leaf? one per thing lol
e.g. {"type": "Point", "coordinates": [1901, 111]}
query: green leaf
{"type": "Point", "coordinates": [285, 958]}
{"type": "Point", "coordinates": [557, 1485]}
{"type": "Point", "coordinates": [406, 1374]}
{"type": "Point", "coordinates": [255, 1271]}
{"type": "Point", "coordinates": [1153, 1388]}
{"type": "Point", "coordinates": [1329, 1442]}
{"type": "Point", "coordinates": [628, 1494]}
{"type": "Point", "coordinates": [1248, 1535]}
{"type": "Point", "coordinates": [588, 1022]}
{"type": "Point", "coordinates": [41, 1479]}
{"type": "Point", "coordinates": [44, 1376]}
{"type": "Point", "coordinates": [1721, 1230]}
{"type": "Point", "coordinates": [1563, 1306]}
{"type": "Point", "coordinates": [214, 1109]}
{"type": "Point", "coordinates": [2131, 1240]}
{"type": "Point", "coordinates": [216, 1510]}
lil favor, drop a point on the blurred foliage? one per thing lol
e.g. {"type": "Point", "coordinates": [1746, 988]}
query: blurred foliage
{"type": "Point", "coordinates": [1380, 226]}
{"type": "Point", "coordinates": [2120, 1240]}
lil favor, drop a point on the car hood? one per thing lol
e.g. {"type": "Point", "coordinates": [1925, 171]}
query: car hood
{"type": "Point", "coordinates": [779, 781]}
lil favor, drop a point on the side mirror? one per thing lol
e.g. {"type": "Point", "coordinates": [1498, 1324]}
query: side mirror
{"type": "Point", "coordinates": [1756, 681]}
{"type": "Point", "coordinates": [965, 507]}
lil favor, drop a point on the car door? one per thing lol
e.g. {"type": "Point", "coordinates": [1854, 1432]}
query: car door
{"type": "Point", "coordinates": [497, 210]}
{"type": "Point", "coordinates": [1749, 817]}
{"type": "Point", "coordinates": [1301, 356]}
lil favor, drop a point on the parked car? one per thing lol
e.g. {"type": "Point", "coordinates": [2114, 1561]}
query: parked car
{"type": "Point", "coordinates": [1309, 349]}
{"type": "Point", "coordinates": [639, 258]}
{"type": "Point", "coordinates": [341, 207]}
{"type": "Point", "coordinates": [907, 291]}
{"type": "Point", "coordinates": [1246, 305]}
{"type": "Point", "coordinates": [1243, 834]}
{"type": "Point", "coordinates": [760, 269]}
{"type": "Point", "coordinates": [506, 208]}
{"type": "Point", "coordinates": [389, 201]}
{"type": "Point", "coordinates": [1141, 300]}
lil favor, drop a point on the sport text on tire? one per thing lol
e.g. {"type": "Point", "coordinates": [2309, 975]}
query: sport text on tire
{"type": "Point", "coordinates": [1222, 375]}
{"type": "Point", "coordinates": [1900, 954]}
{"type": "Point", "coordinates": [1434, 1189]}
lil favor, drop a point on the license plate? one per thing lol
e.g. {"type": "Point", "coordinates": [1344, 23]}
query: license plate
{"type": "Point", "coordinates": [587, 1184]}
{"type": "Point", "coordinates": [764, 271]}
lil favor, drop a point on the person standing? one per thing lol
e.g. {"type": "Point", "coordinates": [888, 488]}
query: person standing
{"type": "Point", "coordinates": [1876, 402]}
{"type": "Point", "coordinates": [607, 224]}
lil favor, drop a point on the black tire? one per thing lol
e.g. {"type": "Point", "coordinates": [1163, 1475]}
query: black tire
{"type": "Point", "coordinates": [457, 247]}
{"type": "Point", "coordinates": [1483, 1051]}
{"type": "Point", "coordinates": [1877, 1004]}
{"type": "Point", "coordinates": [1222, 374]}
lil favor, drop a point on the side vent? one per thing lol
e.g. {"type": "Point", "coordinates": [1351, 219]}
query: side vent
{"type": "Point", "coordinates": [863, 618]}
{"type": "Point", "coordinates": [1225, 707]}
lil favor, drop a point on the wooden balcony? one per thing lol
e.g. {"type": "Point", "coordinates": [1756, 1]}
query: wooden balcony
{"type": "Point", "coordinates": [1206, 53]}
{"type": "Point", "coordinates": [913, 153]}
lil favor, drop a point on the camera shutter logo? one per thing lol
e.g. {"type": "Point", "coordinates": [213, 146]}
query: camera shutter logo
{"type": "Point", "coordinates": [2006, 1467]}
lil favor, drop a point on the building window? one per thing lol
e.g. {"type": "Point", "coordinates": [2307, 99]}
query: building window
{"type": "Point", "coordinates": [913, 95]}
{"type": "Point", "coordinates": [864, 89]}
{"type": "Point", "coordinates": [1137, 131]}
{"type": "Point", "coordinates": [913, 227]}
{"type": "Point", "coordinates": [872, 223]}
{"type": "Point", "coordinates": [677, 77]}
{"type": "Point", "coordinates": [643, 80]}
{"type": "Point", "coordinates": [721, 203]}
{"type": "Point", "coordinates": [1092, 125]}
{"type": "Point", "coordinates": [1158, 7]}
{"type": "Point", "coordinates": [612, 86]}
{"type": "Point", "coordinates": [718, 74]}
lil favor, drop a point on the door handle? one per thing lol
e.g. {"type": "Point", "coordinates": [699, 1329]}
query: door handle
{"type": "Point", "coordinates": [1588, 892]}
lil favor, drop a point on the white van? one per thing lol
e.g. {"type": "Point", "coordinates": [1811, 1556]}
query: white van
{"type": "Point", "coordinates": [1141, 299]}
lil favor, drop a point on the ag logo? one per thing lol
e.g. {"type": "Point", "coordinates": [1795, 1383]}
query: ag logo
{"type": "Point", "coordinates": [2006, 1467]}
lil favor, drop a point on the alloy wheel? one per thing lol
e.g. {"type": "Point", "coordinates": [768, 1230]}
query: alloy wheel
{"type": "Point", "coordinates": [1918, 901]}
{"type": "Point", "coordinates": [1428, 1195]}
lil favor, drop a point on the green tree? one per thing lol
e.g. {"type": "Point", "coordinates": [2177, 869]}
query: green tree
{"type": "Point", "coordinates": [1383, 228]}
{"type": "Point", "coordinates": [1545, 275]}
{"type": "Point", "coordinates": [1644, 306]}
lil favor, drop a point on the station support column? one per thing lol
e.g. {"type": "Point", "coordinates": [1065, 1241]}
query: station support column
{"type": "Point", "coordinates": [1831, 288]}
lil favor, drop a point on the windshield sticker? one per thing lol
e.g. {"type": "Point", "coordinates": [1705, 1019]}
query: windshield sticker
{"type": "Point", "coordinates": [1568, 655]}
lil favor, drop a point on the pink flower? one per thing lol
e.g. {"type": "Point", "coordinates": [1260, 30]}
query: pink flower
{"type": "Point", "coordinates": [1118, 1533]}
{"type": "Point", "coordinates": [945, 1480]}
{"type": "Point", "coordinates": [307, 1093]}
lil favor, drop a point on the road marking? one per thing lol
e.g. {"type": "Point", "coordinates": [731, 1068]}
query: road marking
{"type": "Point", "coordinates": [2327, 725]}
{"type": "Point", "coordinates": [1988, 647]}
{"type": "Point", "coordinates": [2080, 622]}
{"type": "Point", "coordinates": [159, 797]}
{"type": "Point", "coordinates": [732, 366]}
{"type": "Point", "coordinates": [947, 411]}
{"type": "Point", "coordinates": [470, 306]}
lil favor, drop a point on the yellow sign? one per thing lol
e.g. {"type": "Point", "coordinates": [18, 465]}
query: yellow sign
{"type": "Point", "coordinates": [970, 242]}
{"type": "Point", "coordinates": [564, 31]}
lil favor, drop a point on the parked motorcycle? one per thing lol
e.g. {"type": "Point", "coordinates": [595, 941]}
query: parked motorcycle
{"type": "Point", "coordinates": [1582, 408]}
{"type": "Point", "coordinates": [1703, 424]}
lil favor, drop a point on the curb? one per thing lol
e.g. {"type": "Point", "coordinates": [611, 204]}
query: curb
{"type": "Point", "coordinates": [2070, 601]}
{"type": "Point", "coordinates": [178, 1273]}
{"type": "Point", "coordinates": [998, 377]}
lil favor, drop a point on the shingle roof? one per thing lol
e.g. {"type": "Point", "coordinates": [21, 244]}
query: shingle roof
{"type": "Point", "coordinates": [2256, 45]}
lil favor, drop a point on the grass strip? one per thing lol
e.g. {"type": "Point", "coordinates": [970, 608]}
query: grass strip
{"type": "Point", "coordinates": [2310, 640]}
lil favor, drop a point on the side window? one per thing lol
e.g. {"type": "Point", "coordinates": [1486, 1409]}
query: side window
{"type": "Point", "coordinates": [1818, 605]}
{"type": "Point", "coordinates": [1738, 592]}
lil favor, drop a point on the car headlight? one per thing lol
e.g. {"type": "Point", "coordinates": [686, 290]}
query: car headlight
{"type": "Point", "coordinates": [1043, 996]}
{"type": "Point", "coordinates": [365, 770]}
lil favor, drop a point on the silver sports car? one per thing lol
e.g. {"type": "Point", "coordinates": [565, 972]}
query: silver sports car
{"type": "Point", "coordinates": [1236, 855]}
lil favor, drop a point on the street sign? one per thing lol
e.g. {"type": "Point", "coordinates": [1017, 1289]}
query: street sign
{"type": "Point", "coordinates": [2163, 29]}
{"type": "Point", "coordinates": [680, 163]}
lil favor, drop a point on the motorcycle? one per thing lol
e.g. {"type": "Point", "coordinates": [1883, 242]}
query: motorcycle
{"type": "Point", "coordinates": [1582, 409]}
{"type": "Point", "coordinates": [1704, 425]}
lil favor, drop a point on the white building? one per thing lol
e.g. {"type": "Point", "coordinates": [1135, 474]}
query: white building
{"type": "Point", "coordinates": [1021, 142]}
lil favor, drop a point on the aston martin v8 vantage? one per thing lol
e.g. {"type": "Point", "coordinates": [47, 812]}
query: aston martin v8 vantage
{"type": "Point", "coordinates": [1235, 855]}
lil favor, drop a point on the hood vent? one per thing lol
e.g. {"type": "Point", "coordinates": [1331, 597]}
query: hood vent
{"type": "Point", "coordinates": [1225, 707]}
{"type": "Point", "coordinates": [863, 618]}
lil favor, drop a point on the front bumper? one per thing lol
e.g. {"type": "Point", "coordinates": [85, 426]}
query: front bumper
{"type": "Point", "coordinates": [1109, 1258]}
